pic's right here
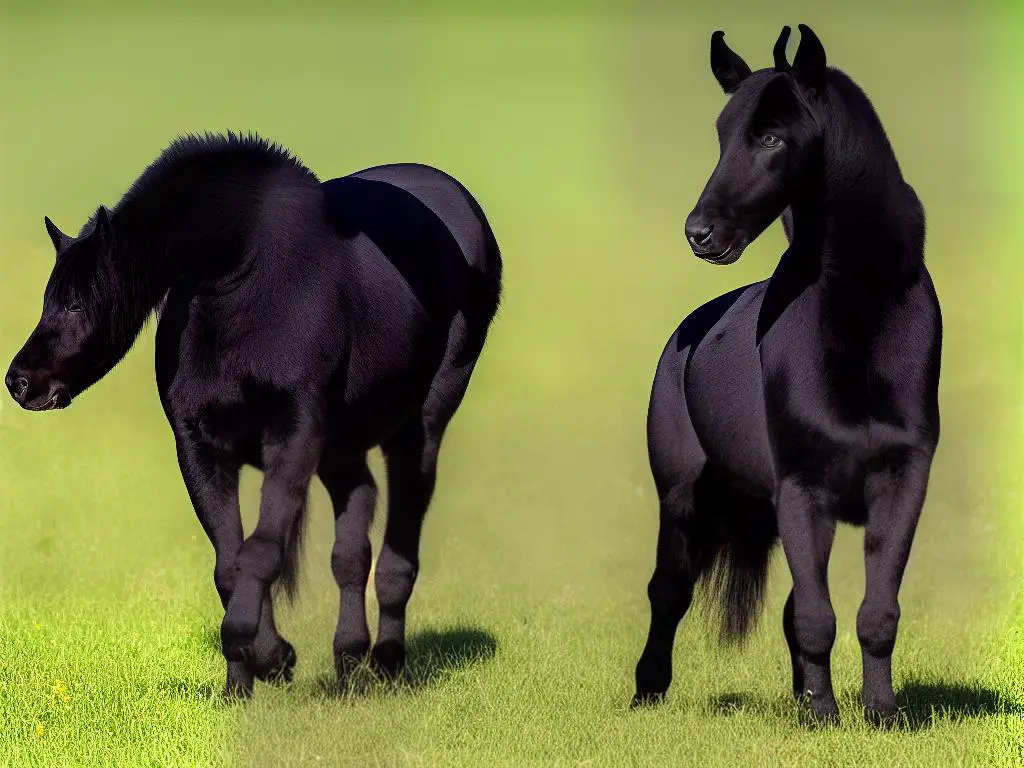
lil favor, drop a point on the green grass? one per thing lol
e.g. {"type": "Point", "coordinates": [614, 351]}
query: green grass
{"type": "Point", "coordinates": [587, 140]}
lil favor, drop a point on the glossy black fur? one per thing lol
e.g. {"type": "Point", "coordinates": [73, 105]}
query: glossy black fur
{"type": "Point", "coordinates": [301, 324]}
{"type": "Point", "coordinates": [785, 407]}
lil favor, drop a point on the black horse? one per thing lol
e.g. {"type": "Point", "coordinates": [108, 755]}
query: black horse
{"type": "Point", "coordinates": [786, 406]}
{"type": "Point", "coordinates": [301, 324]}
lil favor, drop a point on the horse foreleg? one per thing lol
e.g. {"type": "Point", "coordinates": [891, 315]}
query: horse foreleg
{"type": "Point", "coordinates": [807, 531]}
{"type": "Point", "coordinates": [289, 468]}
{"type": "Point", "coordinates": [895, 497]}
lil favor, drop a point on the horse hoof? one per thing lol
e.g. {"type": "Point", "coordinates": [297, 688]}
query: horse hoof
{"type": "Point", "coordinates": [883, 717]}
{"type": "Point", "coordinates": [238, 687]}
{"type": "Point", "coordinates": [820, 712]}
{"type": "Point", "coordinates": [348, 659]}
{"type": "Point", "coordinates": [647, 699]}
{"type": "Point", "coordinates": [279, 667]}
{"type": "Point", "coordinates": [389, 658]}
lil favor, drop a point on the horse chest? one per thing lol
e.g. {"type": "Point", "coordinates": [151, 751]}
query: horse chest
{"type": "Point", "coordinates": [829, 412]}
{"type": "Point", "coordinates": [233, 404]}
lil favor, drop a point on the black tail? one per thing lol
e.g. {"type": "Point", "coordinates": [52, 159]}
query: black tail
{"type": "Point", "coordinates": [734, 583]}
{"type": "Point", "coordinates": [288, 580]}
{"type": "Point", "coordinates": [483, 290]}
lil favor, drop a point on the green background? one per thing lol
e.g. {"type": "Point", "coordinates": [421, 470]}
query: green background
{"type": "Point", "coordinates": [586, 131]}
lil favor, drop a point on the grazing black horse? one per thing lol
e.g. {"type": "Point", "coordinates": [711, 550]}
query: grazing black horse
{"type": "Point", "coordinates": [787, 406]}
{"type": "Point", "coordinates": [301, 324]}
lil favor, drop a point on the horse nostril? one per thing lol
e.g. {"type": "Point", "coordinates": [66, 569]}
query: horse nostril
{"type": "Point", "coordinates": [18, 386]}
{"type": "Point", "coordinates": [700, 235]}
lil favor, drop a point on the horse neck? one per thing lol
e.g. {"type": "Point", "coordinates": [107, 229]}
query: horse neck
{"type": "Point", "coordinates": [861, 230]}
{"type": "Point", "coordinates": [196, 238]}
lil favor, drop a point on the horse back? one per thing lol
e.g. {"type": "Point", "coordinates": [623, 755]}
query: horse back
{"type": "Point", "coordinates": [445, 197]}
{"type": "Point", "coordinates": [448, 256]}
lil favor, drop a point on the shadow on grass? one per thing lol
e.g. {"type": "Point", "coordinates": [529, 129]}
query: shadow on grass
{"type": "Point", "coordinates": [921, 703]}
{"type": "Point", "coordinates": [433, 657]}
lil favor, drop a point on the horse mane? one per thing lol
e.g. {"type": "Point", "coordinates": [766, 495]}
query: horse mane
{"type": "Point", "coordinates": [229, 154]}
{"type": "Point", "coordinates": [853, 124]}
{"type": "Point", "coordinates": [861, 165]}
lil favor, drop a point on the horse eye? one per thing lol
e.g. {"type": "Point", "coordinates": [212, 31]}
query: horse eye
{"type": "Point", "coordinates": [73, 306]}
{"type": "Point", "coordinates": [770, 140]}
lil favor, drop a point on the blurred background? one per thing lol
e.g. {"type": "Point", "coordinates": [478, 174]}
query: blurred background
{"type": "Point", "coordinates": [586, 132]}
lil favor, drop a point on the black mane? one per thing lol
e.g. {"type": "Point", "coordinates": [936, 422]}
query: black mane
{"type": "Point", "coordinates": [853, 123]}
{"type": "Point", "coordinates": [209, 153]}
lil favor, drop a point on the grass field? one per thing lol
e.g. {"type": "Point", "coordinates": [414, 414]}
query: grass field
{"type": "Point", "coordinates": [587, 138]}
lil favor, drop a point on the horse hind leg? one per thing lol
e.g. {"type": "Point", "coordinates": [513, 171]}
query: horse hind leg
{"type": "Point", "coordinates": [353, 494]}
{"type": "Point", "coordinates": [411, 460]}
{"type": "Point", "coordinates": [796, 660]}
{"type": "Point", "coordinates": [685, 551]}
{"type": "Point", "coordinates": [213, 489]}
{"type": "Point", "coordinates": [272, 550]}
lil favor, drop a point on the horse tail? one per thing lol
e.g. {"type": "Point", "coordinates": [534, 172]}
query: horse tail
{"type": "Point", "coordinates": [483, 290]}
{"type": "Point", "coordinates": [288, 580]}
{"type": "Point", "coordinates": [737, 577]}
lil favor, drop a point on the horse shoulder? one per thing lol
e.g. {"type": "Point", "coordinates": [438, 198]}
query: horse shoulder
{"type": "Point", "coordinates": [905, 367]}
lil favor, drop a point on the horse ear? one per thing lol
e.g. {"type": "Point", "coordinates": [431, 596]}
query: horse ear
{"type": "Point", "coordinates": [779, 52]}
{"type": "Point", "coordinates": [59, 239]}
{"type": "Point", "coordinates": [809, 63]}
{"type": "Point", "coordinates": [103, 231]}
{"type": "Point", "coordinates": [729, 69]}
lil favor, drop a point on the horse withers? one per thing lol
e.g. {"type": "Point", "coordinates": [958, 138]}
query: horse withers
{"type": "Point", "coordinates": [301, 324]}
{"type": "Point", "coordinates": [785, 407]}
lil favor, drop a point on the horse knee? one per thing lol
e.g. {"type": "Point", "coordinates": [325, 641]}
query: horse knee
{"type": "Point", "coordinates": [814, 627]}
{"type": "Point", "coordinates": [224, 579]}
{"type": "Point", "coordinates": [350, 562]}
{"type": "Point", "coordinates": [876, 627]}
{"type": "Point", "coordinates": [669, 595]}
{"type": "Point", "coordinates": [260, 558]}
{"type": "Point", "coordinates": [395, 579]}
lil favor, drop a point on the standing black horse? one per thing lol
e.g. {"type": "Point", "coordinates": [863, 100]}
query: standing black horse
{"type": "Point", "coordinates": [301, 324]}
{"type": "Point", "coordinates": [786, 406]}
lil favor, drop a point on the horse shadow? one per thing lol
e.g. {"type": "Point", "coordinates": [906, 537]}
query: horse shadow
{"type": "Point", "coordinates": [434, 655]}
{"type": "Point", "coordinates": [924, 702]}
{"type": "Point", "coordinates": [921, 704]}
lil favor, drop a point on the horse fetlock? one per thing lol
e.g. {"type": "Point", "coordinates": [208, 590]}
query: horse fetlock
{"type": "Point", "coordinates": [820, 707]}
